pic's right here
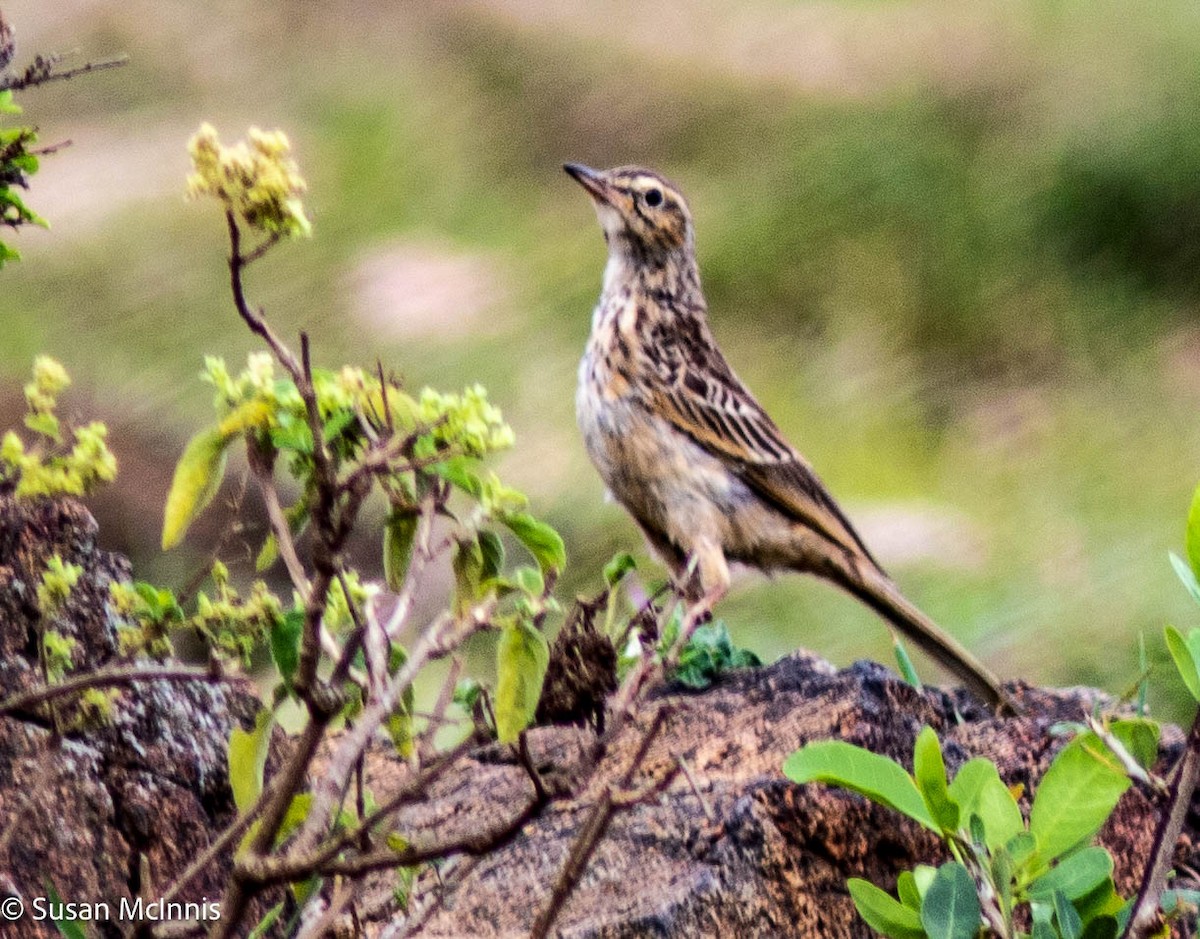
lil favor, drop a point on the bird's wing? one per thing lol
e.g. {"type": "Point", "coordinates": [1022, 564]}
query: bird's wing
{"type": "Point", "coordinates": [703, 398]}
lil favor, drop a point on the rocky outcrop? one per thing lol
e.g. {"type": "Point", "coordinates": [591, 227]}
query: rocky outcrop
{"type": "Point", "coordinates": [113, 809]}
{"type": "Point", "coordinates": [117, 809]}
{"type": "Point", "coordinates": [743, 852]}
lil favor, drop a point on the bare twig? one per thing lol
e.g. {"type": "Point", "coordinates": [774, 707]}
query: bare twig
{"type": "Point", "coordinates": [110, 677]}
{"type": "Point", "coordinates": [593, 829]}
{"type": "Point", "coordinates": [1146, 914]}
{"type": "Point", "coordinates": [704, 803]}
{"type": "Point", "coordinates": [41, 72]}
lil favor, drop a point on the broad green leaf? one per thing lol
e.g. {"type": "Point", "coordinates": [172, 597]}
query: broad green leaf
{"type": "Point", "coordinates": [248, 759]}
{"type": "Point", "coordinates": [285, 643]}
{"type": "Point", "coordinates": [1002, 878]}
{"type": "Point", "coordinates": [978, 790]}
{"type": "Point", "coordinates": [521, 659]}
{"type": "Point", "coordinates": [1140, 737]}
{"type": "Point", "coordinates": [492, 549]}
{"type": "Point", "coordinates": [7, 104]}
{"type": "Point", "coordinates": [468, 566]}
{"type": "Point", "coordinates": [907, 891]}
{"type": "Point", "coordinates": [1069, 923]}
{"type": "Point", "coordinates": [908, 671]}
{"type": "Point", "coordinates": [1192, 538]}
{"type": "Point", "coordinates": [530, 580]}
{"type": "Point", "coordinates": [616, 569]}
{"type": "Point", "coordinates": [879, 778]}
{"type": "Point", "coordinates": [1186, 653]}
{"type": "Point", "coordinates": [297, 812]}
{"type": "Point", "coordinates": [1100, 901]}
{"type": "Point", "coordinates": [1077, 875]}
{"type": "Point", "coordinates": [457, 471]}
{"type": "Point", "coordinates": [883, 913]}
{"type": "Point", "coordinates": [951, 909]}
{"type": "Point", "coordinates": [542, 541]}
{"type": "Point", "coordinates": [399, 532]}
{"type": "Point", "coordinates": [245, 417]}
{"type": "Point", "coordinates": [1023, 848]}
{"type": "Point", "coordinates": [1076, 796]}
{"type": "Point", "coordinates": [197, 478]}
{"type": "Point", "coordinates": [1186, 575]}
{"type": "Point", "coordinates": [929, 771]}
{"type": "Point", "coordinates": [1102, 927]}
{"type": "Point", "coordinates": [923, 875]}
{"type": "Point", "coordinates": [45, 424]}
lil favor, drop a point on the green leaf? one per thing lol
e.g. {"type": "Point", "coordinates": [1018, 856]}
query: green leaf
{"type": "Point", "coordinates": [951, 908]}
{"type": "Point", "coordinates": [1140, 737]}
{"type": "Point", "coordinates": [297, 812]}
{"type": "Point", "coordinates": [7, 104]}
{"type": "Point", "coordinates": [467, 565]}
{"type": "Point", "coordinates": [1076, 876]}
{"type": "Point", "coordinates": [252, 414]}
{"type": "Point", "coordinates": [1002, 878]}
{"type": "Point", "coordinates": [929, 771]}
{"type": "Point", "coordinates": [1069, 923]}
{"type": "Point", "coordinates": [978, 790]}
{"type": "Point", "coordinates": [1186, 653]}
{"type": "Point", "coordinates": [1076, 796]}
{"type": "Point", "coordinates": [285, 643]}
{"type": "Point", "coordinates": [1192, 537]}
{"type": "Point", "coordinates": [399, 533]}
{"type": "Point", "coordinates": [198, 476]}
{"type": "Point", "coordinates": [1102, 900]}
{"type": "Point", "coordinates": [542, 541]}
{"type": "Point", "coordinates": [709, 653]}
{"type": "Point", "coordinates": [492, 549]}
{"type": "Point", "coordinates": [883, 913]}
{"type": "Point", "coordinates": [879, 778]}
{"type": "Point", "coordinates": [267, 921]}
{"type": "Point", "coordinates": [521, 659]}
{"type": "Point", "coordinates": [457, 471]}
{"type": "Point", "coordinates": [45, 424]}
{"type": "Point", "coordinates": [248, 759]}
{"type": "Point", "coordinates": [616, 569]}
{"type": "Point", "coordinates": [908, 671]}
{"type": "Point", "coordinates": [66, 927]}
{"type": "Point", "coordinates": [1186, 575]}
{"type": "Point", "coordinates": [1102, 927]}
{"type": "Point", "coordinates": [907, 890]}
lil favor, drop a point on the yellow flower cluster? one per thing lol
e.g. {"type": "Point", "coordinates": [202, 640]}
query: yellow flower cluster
{"type": "Point", "coordinates": [256, 179]}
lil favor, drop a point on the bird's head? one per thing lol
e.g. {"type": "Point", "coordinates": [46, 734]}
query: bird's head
{"type": "Point", "coordinates": [644, 217]}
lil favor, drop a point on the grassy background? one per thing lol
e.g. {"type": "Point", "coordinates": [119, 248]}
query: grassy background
{"type": "Point", "coordinates": [954, 253]}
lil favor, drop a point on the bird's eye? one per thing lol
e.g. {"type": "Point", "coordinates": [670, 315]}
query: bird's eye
{"type": "Point", "coordinates": [653, 197]}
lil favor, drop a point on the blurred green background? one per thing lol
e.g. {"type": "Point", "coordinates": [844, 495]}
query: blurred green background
{"type": "Point", "coordinates": [952, 247]}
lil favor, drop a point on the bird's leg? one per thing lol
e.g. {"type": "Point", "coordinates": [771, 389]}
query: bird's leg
{"type": "Point", "coordinates": [707, 582]}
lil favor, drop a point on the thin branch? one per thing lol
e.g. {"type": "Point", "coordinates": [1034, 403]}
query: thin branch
{"type": "Point", "coordinates": [283, 533]}
{"type": "Point", "coordinates": [593, 829]}
{"type": "Point", "coordinates": [258, 326]}
{"type": "Point", "coordinates": [704, 803]}
{"type": "Point", "coordinates": [1146, 915]}
{"type": "Point", "coordinates": [41, 72]}
{"type": "Point", "coordinates": [108, 677]}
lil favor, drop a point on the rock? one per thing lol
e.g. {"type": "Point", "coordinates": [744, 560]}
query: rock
{"type": "Point", "coordinates": [745, 853]}
{"type": "Point", "coordinates": [102, 809]}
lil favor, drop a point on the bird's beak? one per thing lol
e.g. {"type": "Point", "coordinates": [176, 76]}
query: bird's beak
{"type": "Point", "coordinates": [591, 180]}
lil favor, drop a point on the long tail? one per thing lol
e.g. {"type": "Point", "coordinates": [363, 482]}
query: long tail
{"type": "Point", "coordinates": [876, 590]}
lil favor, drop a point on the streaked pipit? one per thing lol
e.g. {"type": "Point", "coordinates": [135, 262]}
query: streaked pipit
{"type": "Point", "coordinates": [685, 447]}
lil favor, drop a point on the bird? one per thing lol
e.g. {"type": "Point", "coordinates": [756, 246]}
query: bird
{"type": "Point", "coordinates": [681, 442]}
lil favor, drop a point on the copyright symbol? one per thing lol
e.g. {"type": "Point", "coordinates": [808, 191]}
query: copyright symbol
{"type": "Point", "coordinates": [12, 909]}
